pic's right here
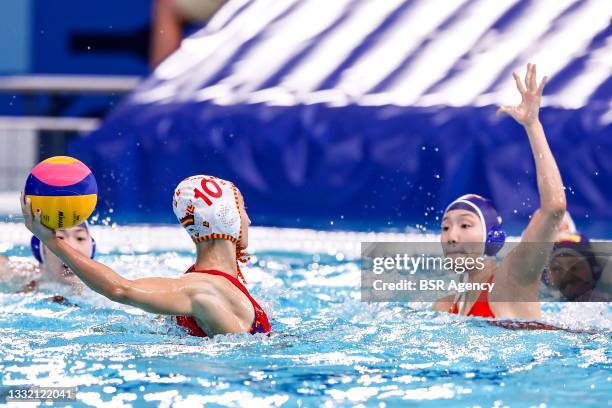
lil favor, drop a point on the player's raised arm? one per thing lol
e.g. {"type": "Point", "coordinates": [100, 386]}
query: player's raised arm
{"type": "Point", "coordinates": [528, 259]}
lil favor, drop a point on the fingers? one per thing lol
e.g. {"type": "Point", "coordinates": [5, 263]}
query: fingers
{"type": "Point", "coordinates": [26, 211]}
{"type": "Point", "coordinates": [503, 109]}
{"type": "Point", "coordinates": [528, 75]}
{"type": "Point", "coordinates": [542, 84]}
{"type": "Point", "coordinates": [25, 205]}
{"type": "Point", "coordinates": [531, 80]}
{"type": "Point", "coordinates": [519, 85]}
{"type": "Point", "coordinates": [507, 110]}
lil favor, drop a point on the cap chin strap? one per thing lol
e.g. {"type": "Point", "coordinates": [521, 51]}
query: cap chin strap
{"type": "Point", "coordinates": [241, 257]}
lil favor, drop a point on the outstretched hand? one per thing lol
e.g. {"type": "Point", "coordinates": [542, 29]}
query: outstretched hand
{"type": "Point", "coordinates": [33, 222]}
{"type": "Point", "coordinates": [526, 113]}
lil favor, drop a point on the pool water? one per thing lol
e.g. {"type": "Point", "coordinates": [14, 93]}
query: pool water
{"type": "Point", "coordinates": [328, 348]}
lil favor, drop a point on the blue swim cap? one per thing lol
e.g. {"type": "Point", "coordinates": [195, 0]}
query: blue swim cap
{"type": "Point", "coordinates": [494, 236]}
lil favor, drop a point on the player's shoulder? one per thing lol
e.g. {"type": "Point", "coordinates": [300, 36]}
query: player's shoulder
{"type": "Point", "coordinates": [203, 284]}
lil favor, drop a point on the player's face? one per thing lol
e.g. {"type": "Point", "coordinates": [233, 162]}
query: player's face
{"type": "Point", "coordinates": [461, 234]}
{"type": "Point", "coordinates": [77, 237]}
{"type": "Point", "coordinates": [572, 275]}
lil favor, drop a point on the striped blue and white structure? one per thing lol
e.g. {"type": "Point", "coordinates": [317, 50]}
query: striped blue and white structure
{"type": "Point", "coordinates": [369, 110]}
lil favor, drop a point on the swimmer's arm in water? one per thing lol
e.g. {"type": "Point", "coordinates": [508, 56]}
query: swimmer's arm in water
{"type": "Point", "coordinates": [4, 266]}
{"type": "Point", "coordinates": [527, 261]}
{"type": "Point", "coordinates": [97, 276]}
{"type": "Point", "coordinates": [155, 295]}
{"type": "Point", "coordinates": [6, 271]}
{"type": "Point", "coordinates": [444, 304]}
{"type": "Point", "coordinates": [168, 296]}
{"type": "Point", "coordinates": [19, 275]}
{"type": "Point", "coordinates": [180, 296]}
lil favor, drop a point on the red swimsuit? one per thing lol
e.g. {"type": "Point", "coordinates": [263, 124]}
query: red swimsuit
{"type": "Point", "coordinates": [260, 322]}
{"type": "Point", "coordinates": [481, 307]}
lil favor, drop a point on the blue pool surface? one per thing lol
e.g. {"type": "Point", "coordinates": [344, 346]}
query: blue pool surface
{"type": "Point", "coordinates": [328, 348]}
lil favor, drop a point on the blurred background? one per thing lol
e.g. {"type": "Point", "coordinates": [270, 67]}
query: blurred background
{"type": "Point", "coordinates": [351, 114]}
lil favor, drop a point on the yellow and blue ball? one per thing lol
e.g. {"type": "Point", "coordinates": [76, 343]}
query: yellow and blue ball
{"type": "Point", "coordinates": [65, 191]}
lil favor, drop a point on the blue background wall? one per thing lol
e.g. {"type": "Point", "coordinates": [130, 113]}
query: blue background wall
{"type": "Point", "coordinates": [121, 25]}
{"type": "Point", "coordinates": [276, 103]}
{"type": "Point", "coordinates": [323, 167]}
{"type": "Point", "coordinates": [52, 37]}
{"type": "Point", "coordinates": [309, 163]}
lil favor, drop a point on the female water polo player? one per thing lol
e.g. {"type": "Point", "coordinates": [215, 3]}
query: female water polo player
{"type": "Point", "coordinates": [473, 219]}
{"type": "Point", "coordinates": [50, 268]}
{"type": "Point", "coordinates": [208, 299]}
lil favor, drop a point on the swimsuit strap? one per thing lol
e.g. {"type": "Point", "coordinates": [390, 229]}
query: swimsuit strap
{"type": "Point", "coordinates": [483, 299]}
{"type": "Point", "coordinates": [260, 323]}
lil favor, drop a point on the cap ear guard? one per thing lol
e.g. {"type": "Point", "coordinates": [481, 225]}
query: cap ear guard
{"type": "Point", "coordinates": [93, 248]}
{"type": "Point", "coordinates": [39, 254]}
{"type": "Point", "coordinates": [496, 237]}
{"type": "Point", "coordinates": [36, 247]}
